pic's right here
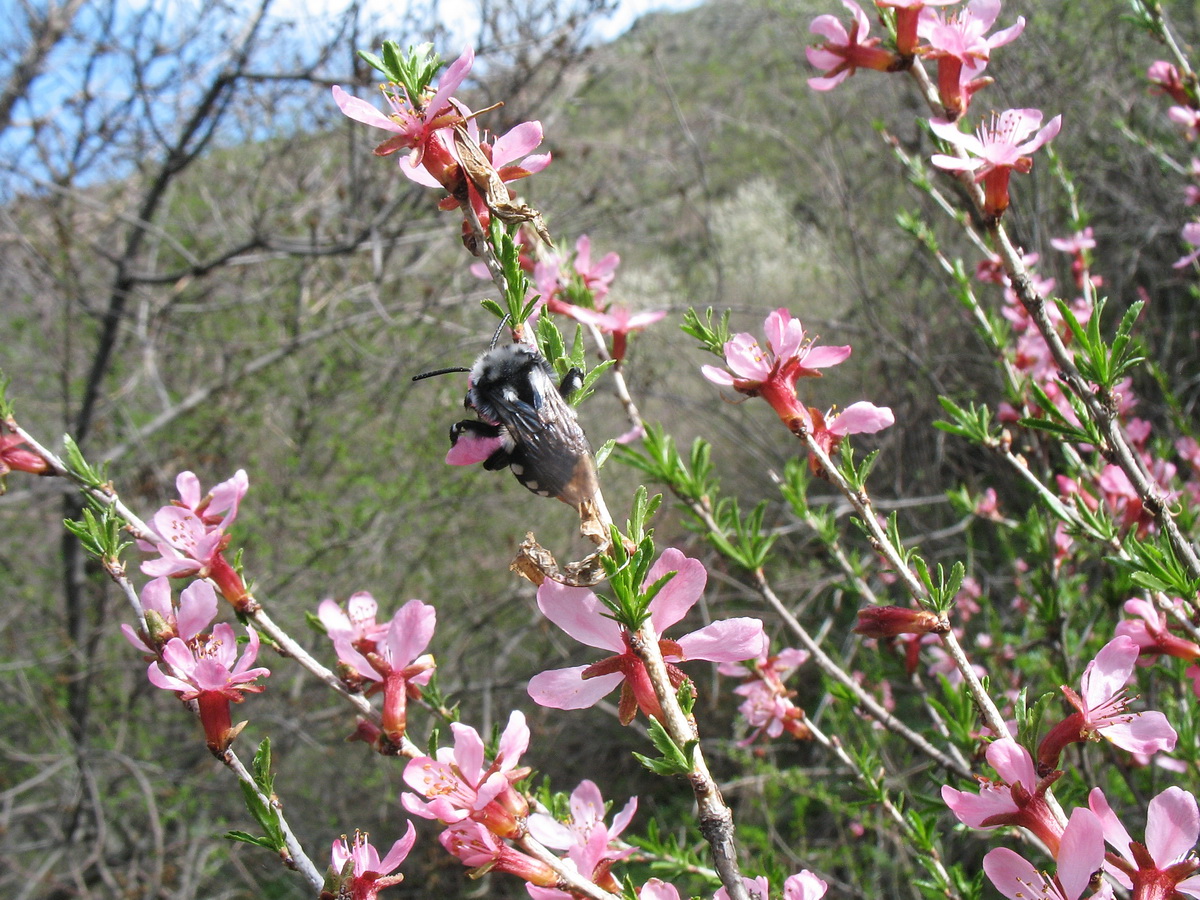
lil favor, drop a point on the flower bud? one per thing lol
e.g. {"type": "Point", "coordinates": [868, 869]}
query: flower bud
{"type": "Point", "coordinates": [890, 621]}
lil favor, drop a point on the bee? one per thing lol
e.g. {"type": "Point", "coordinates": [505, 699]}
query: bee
{"type": "Point", "coordinates": [524, 422]}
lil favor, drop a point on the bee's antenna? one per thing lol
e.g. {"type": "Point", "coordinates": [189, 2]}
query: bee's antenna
{"type": "Point", "coordinates": [499, 328]}
{"type": "Point", "coordinates": [440, 372]}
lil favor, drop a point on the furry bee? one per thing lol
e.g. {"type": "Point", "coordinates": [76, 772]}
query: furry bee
{"type": "Point", "coordinates": [525, 423]}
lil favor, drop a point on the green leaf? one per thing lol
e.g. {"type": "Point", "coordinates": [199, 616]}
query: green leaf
{"type": "Point", "coordinates": [675, 760]}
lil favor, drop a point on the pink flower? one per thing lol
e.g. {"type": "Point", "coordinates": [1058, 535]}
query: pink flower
{"type": "Point", "coordinates": [1188, 117]}
{"type": "Point", "coordinates": [1080, 854]}
{"type": "Point", "coordinates": [217, 508]}
{"type": "Point", "coordinates": [908, 14]}
{"type": "Point", "coordinates": [1165, 77]}
{"type": "Point", "coordinates": [617, 321]}
{"type": "Point", "coordinates": [503, 154]}
{"type": "Point", "coordinates": [192, 532]}
{"type": "Point", "coordinates": [995, 150]}
{"type": "Point", "coordinates": [857, 418]}
{"type": "Point", "coordinates": [416, 121]}
{"type": "Point", "coordinates": [197, 608]}
{"type": "Point", "coordinates": [844, 52]}
{"type": "Point", "coordinates": [210, 672]}
{"type": "Point", "coordinates": [396, 661]}
{"type": "Point", "coordinates": [962, 50]}
{"type": "Point", "coordinates": [1190, 234]}
{"type": "Point", "coordinates": [768, 707]}
{"type": "Point", "coordinates": [1165, 865]}
{"type": "Point", "coordinates": [580, 613]}
{"type": "Point", "coordinates": [458, 786]}
{"type": "Point", "coordinates": [579, 283]}
{"type": "Point", "coordinates": [772, 373]}
{"type": "Point", "coordinates": [1101, 710]}
{"type": "Point", "coordinates": [1017, 798]}
{"type": "Point", "coordinates": [1148, 628]}
{"type": "Point", "coordinates": [591, 845]}
{"type": "Point", "coordinates": [356, 622]}
{"type": "Point", "coordinates": [804, 885]}
{"type": "Point", "coordinates": [477, 847]}
{"type": "Point", "coordinates": [368, 874]}
{"type": "Point", "coordinates": [13, 458]}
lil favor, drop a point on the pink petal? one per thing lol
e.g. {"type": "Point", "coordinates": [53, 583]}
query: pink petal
{"type": "Point", "coordinates": [823, 357]}
{"type": "Point", "coordinates": [471, 448]}
{"type": "Point", "coordinates": [1013, 763]}
{"type": "Point", "coordinates": [1109, 671]}
{"type": "Point", "coordinates": [197, 608]}
{"type": "Point", "coordinates": [1114, 832]}
{"type": "Point", "coordinates": [1148, 732]}
{"type": "Point", "coordinates": [680, 593]}
{"type": "Point", "coordinates": [717, 375]}
{"type": "Point", "coordinates": [567, 689]}
{"type": "Point", "coordinates": [1012, 874]}
{"type": "Point", "coordinates": [728, 640]}
{"type": "Point", "coordinates": [862, 418]}
{"type": "Point", "coordinates": [518, 141]}
{"type": "Point", "coordinates": [579, 613]}
{"type": "Point", "coordinates": [1081, 851]}
{"type": "Point", "coordinates": [362, 111]}
{"type": "Point", "coordinates": [410, 632]}
{"type": "Point", "coordinates": [450, 81]}
{"type": "Point", "coordinates": [1172, 826]}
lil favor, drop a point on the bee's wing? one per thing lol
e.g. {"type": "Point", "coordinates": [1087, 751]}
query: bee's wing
{"type": "Point", "coordinates": [550, 449]}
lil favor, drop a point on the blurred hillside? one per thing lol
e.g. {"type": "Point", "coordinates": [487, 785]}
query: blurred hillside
{"type": "Point", "coordinates": [255, 290]}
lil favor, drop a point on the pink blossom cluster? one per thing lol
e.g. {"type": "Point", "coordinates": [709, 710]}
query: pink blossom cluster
{"type": "Point", "coordinates": [1163, 865]}
{"type": "Point", "coordinates": [387, 657]}
{"type": "Point", "coordinates": [1167, 80]}
{"type": "Point", "coordinates": [767, 706]}
{"type": "Point", "coordinates": [959, 43]}
{"type": "Point", "coordinates": [1165, 862]}
{"type": "Point", "coordinates": [772, 373]}
{"type": "Point", "coordinates": [1106, 486]}
{"type": "Point", "coordinates": [199, 665]}
{"type": "Point", "coordinates": [425, 126]}
{"type": "Point", "coordinates": [192, 535]}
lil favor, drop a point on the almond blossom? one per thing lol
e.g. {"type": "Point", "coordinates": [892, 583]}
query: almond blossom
{"type": "Point", "coordinates": [804, 885]}
{"type": "Point", "coordinates": [768, 706]}
{"type": "Point", "coordinates": [617, 321]}
{"type": "Point", "coordinates": [416, 122]}
{"type": "Point", "coordinates": [995, 150]}
{"type": "Point", "coordinates": [397, 661]}
{"type": "Point", "coordinates": [1148, 628]}
{"type": "Point", "coordinates": [962, 49]}
{"type": "Point", "coordinates": [1079, 855]}
{"type": "Point", "coordinates": [1101, 709]}
{"type": "Point", "coordinates": [582, 615]}
{"type": "Point", "coordinates": [565, 285]}
{"type": "Point", "coordinates": [192, 535]}
{"type": "Point", "coordinates": [844, 52]}
{"type": "Point", "coordinates": [210, 672]}
{"type": "Point", "coordinates": [362, 874]}
{"type": "Point", "coordinates": [197, 608]}
{"type": "Point", "coordinates": [1017, 798]}
{"type": "Point", "coordinates": [479, 848]}
{"type": "Point", "coordinates": [457, 785]}
{"type": "Point", "coordinates": [1165, 864]}
{"type": "Point", "coordinates": [772, 373]}
{"type": "Point", "coordinates": [591, 844]}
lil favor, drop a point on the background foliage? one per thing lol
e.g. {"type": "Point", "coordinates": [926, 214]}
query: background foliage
{"type": "Point", "coordinates": [206, 270]}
